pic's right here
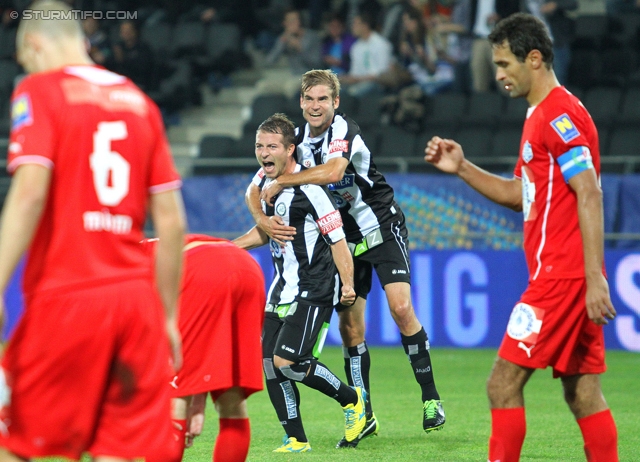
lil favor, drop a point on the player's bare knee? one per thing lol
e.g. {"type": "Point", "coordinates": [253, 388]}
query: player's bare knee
{"type": "Point", "coordinates": [495, 391]}
{"type": "Point", "coordinates": [280, 362]}
{"type": "Point", "coordinates": [402, 311]}
{"type": "Point", "coordinates": [232, 404]}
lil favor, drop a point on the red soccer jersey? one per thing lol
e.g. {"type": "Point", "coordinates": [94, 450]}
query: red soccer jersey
{"type": "Point", "coordinates": [105, 143]}
{"type": "Point", "coordinates": [559, 140]}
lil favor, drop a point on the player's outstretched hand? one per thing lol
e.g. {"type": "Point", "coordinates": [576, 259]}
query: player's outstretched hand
{"type": "Point", "coordinates": [275, 228]}
{"type": "Point", "coordinates": [348, 297]}
{"type": "Point", "coordinates": [195, 417]}
{"type": "Point", "coordinates": [270, 191]}
{"type": "Point", "coordinates": [175, 342]}
{"type": "Point", "coordinates": [598, 301]}
{"type": "Point", "coordinates": [445, 154]}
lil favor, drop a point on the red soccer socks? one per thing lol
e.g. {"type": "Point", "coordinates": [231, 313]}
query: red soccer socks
{"type": "Point", "coordinates": [232, 443]}
{"type": "Point", "coordinates": [600, 437]}
{"type": "Point", "coordinates": [508, 428]}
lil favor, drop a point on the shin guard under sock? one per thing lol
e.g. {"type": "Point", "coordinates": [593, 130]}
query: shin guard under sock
{"type": "Point", "coordinates": [416, 347]}
{"type": "Point", "coordinates": [508, 428]}
{"type": "Point", "coordinates": [357, 363]}
{"type": "Point", "coordinates": [232, 443]}
{"type": "Point", "coordinates": [322, 379]}
{"type": "Point", "coordinates": [285, 398]}
{"type": "Point", "coordinates": [600, 437]}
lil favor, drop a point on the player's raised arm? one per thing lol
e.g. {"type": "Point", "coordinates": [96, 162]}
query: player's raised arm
{"type": "Point", "coordinates": [273, 227]}
{"type": "Point", "coordinates": [448, 156]}
{"type": "Point", "coordinates": [323, 174]}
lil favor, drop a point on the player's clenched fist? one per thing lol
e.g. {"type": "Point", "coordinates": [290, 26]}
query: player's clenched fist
{"type": "Point", "coordinates": [348, 297]}
{"type": "Point", "coordinates": [445, 154]}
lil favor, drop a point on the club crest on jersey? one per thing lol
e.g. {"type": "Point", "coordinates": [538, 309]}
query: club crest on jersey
{"type": "Point", "coordinates": [21, 113]}
{"type": "Point", "coordinates": [338, 146]}
{"type": "Point", "coordinates": [525, 323]}
{"type": "Point", "coordinates": [347, 181]}
{"type": "Point", "coordinates": [527, 152]}
{"type": "Point", "coordinates": [276, 249]}
{"type": "Point", "coordinates": [307, 163]}
{"type": "Point", "coordinates": [340, 202]}
{"type": "Point", "coordinates": [565, 128]}
{"type": "Point", "coordinates": [281, 209]}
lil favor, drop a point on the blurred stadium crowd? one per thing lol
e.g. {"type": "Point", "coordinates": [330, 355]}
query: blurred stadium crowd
{"type": "Point", "coordinates": [409, 68]}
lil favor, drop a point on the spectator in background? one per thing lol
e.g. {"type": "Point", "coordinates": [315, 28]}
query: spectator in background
{"type": "Point", "coordinates": [349, 9]}
{"type": "Point", "coordinates": [391, 28]}
{"type": "Point", "coordinates": [301, 46]}
{"type": "Point", "coordinates": [617, 7]}
{"type": "Point", "coordinates": [371, 56]}
{"type": "Point", "coordinates": [484, 14]}
{"type": "Point", "coordinates": [99, 46]}
{"type": "Point", "coordinates": [132, 57]}
{"type": "Point", "coordinates": [336, 46]}
{"type": "Point", "coordinates": [554, 14]}
{"type": "Point", "coordinates": [420, 55]}
{"type": "Point", "coordinates": [454, 32]}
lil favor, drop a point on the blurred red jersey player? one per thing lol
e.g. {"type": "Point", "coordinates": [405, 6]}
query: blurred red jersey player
{"type": "Point", "coordinates": [222, 303]}
{"type": "Point", "coordinates": [87, 367]}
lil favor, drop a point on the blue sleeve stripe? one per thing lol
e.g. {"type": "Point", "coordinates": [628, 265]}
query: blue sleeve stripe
{"type": "Point", "coordinates": [574, 161]}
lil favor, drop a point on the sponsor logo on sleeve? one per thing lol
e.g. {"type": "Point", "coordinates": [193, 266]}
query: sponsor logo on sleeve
{"type": "Point", "coordinates": [330, 222]}
{"type": "Point", "coordinates": [565, 128]}
{"type": "Point", "coordinates": [338, 146]}
{"type": "Point", "coordinates": [21, 111]}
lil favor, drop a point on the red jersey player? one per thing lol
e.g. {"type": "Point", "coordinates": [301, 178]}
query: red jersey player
{"type": "Point", "coordinates": [87, 367]}
{"type": "Point", "coordinates": [222, 303]}
{"type": "Point", "coordinates": [558, 320]}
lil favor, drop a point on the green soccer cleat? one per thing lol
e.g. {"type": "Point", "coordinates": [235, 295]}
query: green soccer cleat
{"type": "Point", "coordinates": [371, 428]}
{"type": "Point", "coordinates": [290, 444]}
{"type": "Point", "coordinates": [433, 418]}
{"type": "Point", "coordinates": [355, 416]}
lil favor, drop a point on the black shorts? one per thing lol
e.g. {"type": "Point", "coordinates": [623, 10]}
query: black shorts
{"type": "Point", "coordinates": [390, 260]}
{"type": "Point", "coordinates": [296, 335]}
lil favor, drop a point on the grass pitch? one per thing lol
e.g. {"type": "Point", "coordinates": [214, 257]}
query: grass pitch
{"type": "Point", "coordinates": [552, 434]}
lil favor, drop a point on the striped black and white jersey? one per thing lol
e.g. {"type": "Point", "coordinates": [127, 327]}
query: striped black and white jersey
{"type": "Point", "coordinates": [365, 199]}
{"type": "Point", "coordinates": [304, 268]}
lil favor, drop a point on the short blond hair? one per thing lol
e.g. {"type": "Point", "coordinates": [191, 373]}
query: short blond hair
{"type": "Point", "coordinates": [321, 77]}
{"type": "Point", "coordinates": [53, 28]}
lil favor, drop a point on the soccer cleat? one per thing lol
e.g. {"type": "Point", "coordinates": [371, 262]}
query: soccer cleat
{"type": "Point", "coordinates": [433, 418]}
{"type": "Point", "coordinates": [290, 444]}
{"type": "Point", "coordinates": [371, 428]}
{"type": "Point", "coordinates": [355, 416]}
